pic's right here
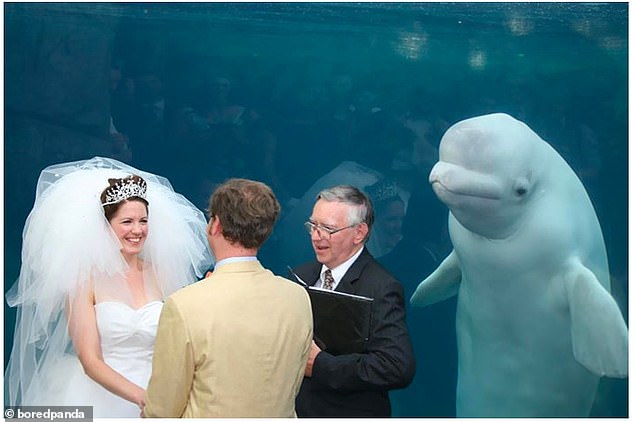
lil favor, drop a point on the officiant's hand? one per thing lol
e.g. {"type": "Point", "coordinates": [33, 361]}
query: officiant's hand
{"type": "Point", "coordinates": [312, 354]}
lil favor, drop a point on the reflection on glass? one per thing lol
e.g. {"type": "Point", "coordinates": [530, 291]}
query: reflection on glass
{"type": "Point", "coordinates": [477, 59]}
{"type": "Point", "coordinates": [413, 44]}
{"type": "Point", "coordinates": [519, 25]}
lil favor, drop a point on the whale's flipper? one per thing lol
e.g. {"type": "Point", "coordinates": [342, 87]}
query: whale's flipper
{"type": "Point", "coordinates": [442, 284]}
{"type": "Point", "coordinates": [599, 334]}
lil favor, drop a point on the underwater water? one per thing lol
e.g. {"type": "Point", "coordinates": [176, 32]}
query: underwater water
{"type": "Point", "coordinates": [303, 96]}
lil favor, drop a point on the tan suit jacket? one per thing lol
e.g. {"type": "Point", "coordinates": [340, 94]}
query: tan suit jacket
{"type": "Point", "coordinates": [232, 345]}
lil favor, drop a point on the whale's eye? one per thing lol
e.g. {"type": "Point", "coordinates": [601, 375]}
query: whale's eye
{"type": "Point", "coordinates": [521, 186]}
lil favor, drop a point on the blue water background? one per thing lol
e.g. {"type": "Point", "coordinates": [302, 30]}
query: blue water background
{"type": "Point", "coordinates": [330, 93]}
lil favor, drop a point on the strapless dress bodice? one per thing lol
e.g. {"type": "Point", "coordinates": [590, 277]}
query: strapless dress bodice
{"type": "Point", "coordinates": [127, 333]}
{"type": "Point", "coordinates": [127, 343]}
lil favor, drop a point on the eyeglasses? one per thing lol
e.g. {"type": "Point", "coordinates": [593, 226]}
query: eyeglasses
{"type": "Point", "coordinates": [323, 231]}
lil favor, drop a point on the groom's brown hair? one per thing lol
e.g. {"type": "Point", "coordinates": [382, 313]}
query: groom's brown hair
{"type": "Point", "coordinates": [247, 211]}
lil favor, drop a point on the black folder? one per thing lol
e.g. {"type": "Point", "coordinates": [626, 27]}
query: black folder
{"type": "Point", "coordinates": [341, 321]}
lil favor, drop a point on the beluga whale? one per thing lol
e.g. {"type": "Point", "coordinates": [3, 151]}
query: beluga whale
{"type": "Point", "coordinates": [536, 324]}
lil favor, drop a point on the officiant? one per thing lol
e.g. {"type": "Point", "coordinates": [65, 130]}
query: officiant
{"type": "Point", "coordinates": [353, 384]}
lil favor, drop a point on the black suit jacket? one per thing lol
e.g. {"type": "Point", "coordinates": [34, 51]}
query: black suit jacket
{"type": "Point", "coordinates": [357, 384]}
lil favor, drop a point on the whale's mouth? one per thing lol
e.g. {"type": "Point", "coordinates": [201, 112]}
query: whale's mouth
{"type": "Point", "coordinates": [473, 191]}
{"type": "Point", "coordinates": [453, 183]}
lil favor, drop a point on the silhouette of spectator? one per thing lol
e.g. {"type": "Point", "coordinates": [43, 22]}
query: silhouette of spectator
{"type": "Point", "coordinates": [424, 244]}
{"type": "Point", "coordinates": [121, 91]}
{"type": "Point", "coordinates": [122, 98]}
{"type": "Point", "coordinates": [236, 134]}
{"type": "Point", "coordinates": [389, 212]}
{"type": "Point", "coordinates": [149, 121]}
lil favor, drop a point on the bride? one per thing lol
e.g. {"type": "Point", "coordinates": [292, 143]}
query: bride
{"type": "Point", "coordinates": [102, 246]}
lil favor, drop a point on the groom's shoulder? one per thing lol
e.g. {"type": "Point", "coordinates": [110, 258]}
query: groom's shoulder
{"type": "Point", "coordinates": [189, 291]}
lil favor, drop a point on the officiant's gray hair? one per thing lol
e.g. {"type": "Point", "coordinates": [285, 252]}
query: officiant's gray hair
{"type": "Point", "coordinates": [361, 210]}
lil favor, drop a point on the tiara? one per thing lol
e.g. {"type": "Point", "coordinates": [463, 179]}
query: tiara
{"type": "Point", "coordinates": [383, 190]}
{"type": "Point", "coordinates": [124, 189]}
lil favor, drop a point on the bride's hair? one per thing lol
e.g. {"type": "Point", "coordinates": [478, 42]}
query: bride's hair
{"type": "Point", "coordinates": [120, 190]}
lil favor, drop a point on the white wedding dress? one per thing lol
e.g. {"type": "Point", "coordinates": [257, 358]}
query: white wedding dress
{"type": "Point", "coordinates": [68, 246]}
{"type": "Point", "coordinates": [127, 343]}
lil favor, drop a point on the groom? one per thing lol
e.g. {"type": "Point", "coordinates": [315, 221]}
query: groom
{"type": "Point", "coordinates": [236, 343]}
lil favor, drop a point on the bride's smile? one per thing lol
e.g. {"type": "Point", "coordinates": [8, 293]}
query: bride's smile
{"type": "Point", "coordinates": [130, 225]}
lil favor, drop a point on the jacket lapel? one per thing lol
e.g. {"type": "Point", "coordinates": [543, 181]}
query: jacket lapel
{"type": "Point", "coordinates": [346, 285]}
{"type": "Point", "coordinates": [310, 274]}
